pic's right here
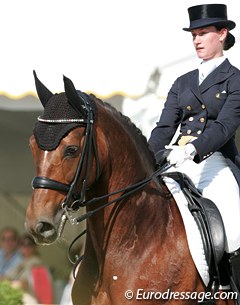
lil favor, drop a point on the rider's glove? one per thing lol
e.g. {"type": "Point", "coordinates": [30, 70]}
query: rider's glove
{"type": "Point", "coordinates": [180, 154]}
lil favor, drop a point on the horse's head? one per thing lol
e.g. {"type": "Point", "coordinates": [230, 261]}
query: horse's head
{"type": "Point", "coordinates": [83, 149]}
{"type": "Point", "coordinates": [65, 157]}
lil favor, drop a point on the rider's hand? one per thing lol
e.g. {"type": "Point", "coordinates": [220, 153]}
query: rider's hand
{"type": "Point", "coordinates": [179, 154]}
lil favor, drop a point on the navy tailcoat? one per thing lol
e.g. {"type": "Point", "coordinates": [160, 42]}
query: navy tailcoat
{"type": "Point", "coordinates": [210, 112]}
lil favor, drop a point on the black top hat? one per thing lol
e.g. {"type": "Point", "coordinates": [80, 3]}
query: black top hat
{"type": "Point", "coordinates": [209, 14]}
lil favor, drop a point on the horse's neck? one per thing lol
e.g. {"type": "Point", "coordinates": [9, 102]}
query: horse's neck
{"type": "Point", "coordinates": [122, 225]}
{"type": "Point", "coordinates": [124, 162]}
{"type": "Point", "coordinates": [124, 168]}
{"type": "Point", "coordinates": [125, 158]}
{"type": "Point", "coordinates": [127, 164]}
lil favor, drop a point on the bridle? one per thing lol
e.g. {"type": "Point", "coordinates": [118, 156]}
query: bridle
{"type": "Point", "coordinates": [75, 200]}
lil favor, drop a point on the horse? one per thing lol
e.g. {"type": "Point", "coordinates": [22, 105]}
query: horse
{"type": "Point", "coordinates": [89, 156]}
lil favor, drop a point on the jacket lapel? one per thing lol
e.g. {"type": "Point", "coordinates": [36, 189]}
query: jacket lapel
{"type": "Point", "coordinates": [220, 74]}
{"type": "Point", "coordinates": [194, 86]}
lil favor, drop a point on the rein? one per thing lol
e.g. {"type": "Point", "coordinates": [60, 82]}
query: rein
{"type": "Point", "coordinates": [127, 192]}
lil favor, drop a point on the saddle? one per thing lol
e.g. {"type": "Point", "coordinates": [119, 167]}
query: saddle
{"type": "Point", "coordinates": [206, 215]}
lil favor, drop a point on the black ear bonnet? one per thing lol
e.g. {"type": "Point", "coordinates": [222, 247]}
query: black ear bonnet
{"type": "Point", "coordinates": [62, 113]}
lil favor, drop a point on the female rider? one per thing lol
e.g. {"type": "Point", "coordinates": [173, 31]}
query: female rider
{"type": "Point", "coordinates": [205, 103]}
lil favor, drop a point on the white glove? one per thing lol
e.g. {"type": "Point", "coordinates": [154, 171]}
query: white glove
{"type": "Point", "coordinates": [180, 154]}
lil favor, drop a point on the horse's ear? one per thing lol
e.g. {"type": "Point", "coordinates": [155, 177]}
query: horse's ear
{"type": "Point", "coordinates": [74, 99]}
{"type": "Point", "coordinates": [43, 93]}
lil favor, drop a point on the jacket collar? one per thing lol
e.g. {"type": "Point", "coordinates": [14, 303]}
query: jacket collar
{"type": "Point", "coordinates": [220, 74]}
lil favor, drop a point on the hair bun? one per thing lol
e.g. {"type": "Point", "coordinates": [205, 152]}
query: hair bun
{"type": "Point", "coordinates": [229, 42]}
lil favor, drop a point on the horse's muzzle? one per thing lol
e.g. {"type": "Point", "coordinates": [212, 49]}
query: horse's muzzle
{"type": "Point", "coordinates": [46, 232]}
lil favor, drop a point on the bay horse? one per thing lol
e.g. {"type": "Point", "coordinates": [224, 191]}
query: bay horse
{"type": "Point", "coordinates": [88, 155]}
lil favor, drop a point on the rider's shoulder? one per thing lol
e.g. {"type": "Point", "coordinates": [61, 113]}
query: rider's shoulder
{"type": "Point", "coordinates": [186, 76]}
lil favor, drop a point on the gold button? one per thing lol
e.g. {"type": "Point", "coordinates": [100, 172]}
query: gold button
{"type": "Point", "coordinates": [203, 106]}
{"type": "Point", "coordinates": [199, 132]}
{"type": "Point", "coordinates": [202, 120]}
{"type": "Point", "coordinates": [189, 108]}
{"type": "Point", "coordinates": [191, 119]}
{"type": "Point", "coordinates": [189, 131]}
{"type": "Point", "coordinates": [218, 95]}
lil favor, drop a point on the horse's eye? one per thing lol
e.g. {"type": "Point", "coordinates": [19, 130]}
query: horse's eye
{"type": "Point", "coordinates": [71, 151]}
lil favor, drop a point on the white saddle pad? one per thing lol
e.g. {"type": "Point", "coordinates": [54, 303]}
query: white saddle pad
{"type": "Point", "coordinates": [193, 234]}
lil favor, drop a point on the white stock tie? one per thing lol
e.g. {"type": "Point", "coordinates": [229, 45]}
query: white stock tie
{"type": "Point", "coordinates": [204, 70]}
{"type": "Point", "coordinates": [201, 77]}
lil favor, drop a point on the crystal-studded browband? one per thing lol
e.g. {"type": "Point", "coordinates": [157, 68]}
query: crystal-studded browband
{"type": "Point", "coordinates": [61, 120]}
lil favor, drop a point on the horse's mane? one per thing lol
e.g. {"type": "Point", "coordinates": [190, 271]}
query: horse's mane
{"type": "Point", "coordinates": [136, 133]}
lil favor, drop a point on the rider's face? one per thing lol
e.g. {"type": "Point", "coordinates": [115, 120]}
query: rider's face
{"type": "Point", "coordinates": [208, 42]}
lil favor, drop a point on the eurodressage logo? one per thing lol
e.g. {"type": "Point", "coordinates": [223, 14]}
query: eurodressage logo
{"type": "Point", "coordinates": [141, 294]}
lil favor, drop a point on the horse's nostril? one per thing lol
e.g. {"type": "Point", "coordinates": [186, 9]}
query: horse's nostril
{"type": "Point", "coordinates": [46, 230]}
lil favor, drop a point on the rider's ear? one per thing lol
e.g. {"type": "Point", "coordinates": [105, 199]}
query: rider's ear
{"type": "Point", "coordinates": [74, 99]}
{"type": "Point", "coordinates": [43, 93]}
